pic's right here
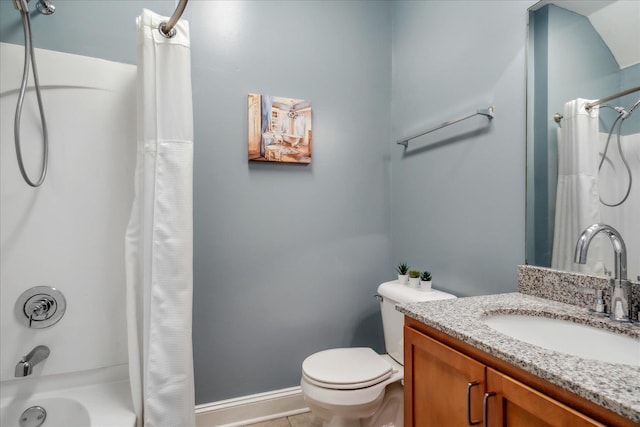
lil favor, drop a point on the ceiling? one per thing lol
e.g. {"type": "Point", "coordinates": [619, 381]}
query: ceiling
{"type": "Point", "coordinates": [617, 22]}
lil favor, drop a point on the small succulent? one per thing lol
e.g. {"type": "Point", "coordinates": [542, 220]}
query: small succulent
{"type": "Point", "coordinates": [402, 268]}
{"type": "Point", "coordinates": [425, 276]}
{"type": "Point", "coordinates": [414, 274]}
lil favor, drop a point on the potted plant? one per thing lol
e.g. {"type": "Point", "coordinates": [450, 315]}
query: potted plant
{"type": "Point", "coordinates": [425, 281]}
{"type": "Point", "coordinates": [402, 270]}
{"type": "Point", "coordinates": [414, 278]}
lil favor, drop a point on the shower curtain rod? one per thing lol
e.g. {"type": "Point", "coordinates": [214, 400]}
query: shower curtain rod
{"type": "Point", "coordinates": [167, 28]}
{"type": "Point", "coordinates": [558, 117]}
{"type": "Point", "coordinates": [590, 105]}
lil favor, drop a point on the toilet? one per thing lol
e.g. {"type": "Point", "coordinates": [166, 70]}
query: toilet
{"type": "Point", "coordinates": [357, 387]}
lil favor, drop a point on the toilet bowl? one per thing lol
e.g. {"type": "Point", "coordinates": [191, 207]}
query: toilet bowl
{"type": "Point", "coordinates": [356, 387]}
{"type": "Point", "coordinates": [355, 384]}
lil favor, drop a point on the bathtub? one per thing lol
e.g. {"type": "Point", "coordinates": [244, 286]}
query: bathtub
{"type": "Point", "coordinates": [97, 398]}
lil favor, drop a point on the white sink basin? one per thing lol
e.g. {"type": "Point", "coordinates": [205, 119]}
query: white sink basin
{"type": "Point", "coordinates": [568, 337]}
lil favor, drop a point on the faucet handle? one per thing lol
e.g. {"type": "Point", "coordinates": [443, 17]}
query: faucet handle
{"type": "Point", "coordinates": [40, 307]}
{"type": "Point", "coordinates": [39, 310]}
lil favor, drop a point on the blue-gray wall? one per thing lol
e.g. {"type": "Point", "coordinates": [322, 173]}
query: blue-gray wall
{"type": "Point", "coordinates": [287, 257]}
{"type": "Point", "coordinates": [458, 197]}
{"type": "Point", "coordinates": [101, 29]}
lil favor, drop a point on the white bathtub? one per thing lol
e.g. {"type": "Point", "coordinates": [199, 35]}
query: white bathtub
{"type": "Point", "coordinates": [98, 398]}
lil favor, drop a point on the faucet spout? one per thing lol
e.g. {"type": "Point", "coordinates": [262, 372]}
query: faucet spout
{"type": "Point", "coordinates": [35, 356]}
{"type": "Point", "coordinates": [620, 287]}
{"type": "Point", "coordinates": [619, 248]}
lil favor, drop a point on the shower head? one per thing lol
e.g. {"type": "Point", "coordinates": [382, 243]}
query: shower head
{"type": "Point", "coordinates": [45, 7]}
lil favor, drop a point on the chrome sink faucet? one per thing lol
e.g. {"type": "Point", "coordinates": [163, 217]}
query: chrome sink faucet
{"type": "Point", "coordinates": [35, 356]}
{"type": "Point", "coordinates": [620, 309]}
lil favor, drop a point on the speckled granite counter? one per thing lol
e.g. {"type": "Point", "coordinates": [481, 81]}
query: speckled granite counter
{"type": "Point", "coordinates": [616, 387]}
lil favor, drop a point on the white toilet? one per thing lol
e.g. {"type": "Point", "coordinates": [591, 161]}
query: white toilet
{"type": "Point", "coordinates": [348, 387]}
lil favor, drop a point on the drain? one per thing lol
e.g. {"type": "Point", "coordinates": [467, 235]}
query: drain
{"type": "Point", "coordinates": [33, 417]}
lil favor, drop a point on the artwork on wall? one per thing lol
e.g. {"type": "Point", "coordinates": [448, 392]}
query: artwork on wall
{"type": "Point", "coordinates": [279, 129]}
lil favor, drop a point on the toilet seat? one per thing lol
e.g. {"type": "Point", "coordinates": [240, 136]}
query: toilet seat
{"type": "Point", "coordinates": [346, 368]}
{"type": "Point", "coordinates": [343, 398]}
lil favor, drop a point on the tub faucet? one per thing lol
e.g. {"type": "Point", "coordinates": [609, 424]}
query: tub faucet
{"type": "Point", "coordinates": [620, 309]}
{"type": "Point", "coordinates": [35, 356]}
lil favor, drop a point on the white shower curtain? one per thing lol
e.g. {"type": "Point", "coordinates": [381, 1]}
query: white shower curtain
{"type": "Point", "coordinates": [577, 202]}
{"type": "Point", "coordinates": [159, 240]}
{"type": "Point", "coordinates": [613, 185]}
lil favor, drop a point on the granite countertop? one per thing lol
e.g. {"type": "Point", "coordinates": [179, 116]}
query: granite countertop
{"type": "Point", "coordinates": [613, 386]}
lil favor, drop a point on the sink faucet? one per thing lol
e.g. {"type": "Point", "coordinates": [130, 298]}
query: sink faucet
{"type": "Point", "coordinates": [35, 356]}
{"type": "Point", "coordinates": [620, 287]}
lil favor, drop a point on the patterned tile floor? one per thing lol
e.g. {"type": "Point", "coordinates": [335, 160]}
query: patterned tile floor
{"type": "Point", "coordinates": [301, 420]}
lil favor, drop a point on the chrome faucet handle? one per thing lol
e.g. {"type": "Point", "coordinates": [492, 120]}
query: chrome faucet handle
{"type": "Point", "coordinates": [39, 310]}
{"type": "Point", "coordinates": [40, 307]}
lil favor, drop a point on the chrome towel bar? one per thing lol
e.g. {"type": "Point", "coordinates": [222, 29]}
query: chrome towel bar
{"type": "Point", "coordinates": [488, 112]}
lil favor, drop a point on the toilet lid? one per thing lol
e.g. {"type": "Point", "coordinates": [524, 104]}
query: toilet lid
{"type": "Point", "coordinates": [346, 368]}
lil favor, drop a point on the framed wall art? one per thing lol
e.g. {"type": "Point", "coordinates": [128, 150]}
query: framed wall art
{"type": "Point", "coordinates": [279, 129]}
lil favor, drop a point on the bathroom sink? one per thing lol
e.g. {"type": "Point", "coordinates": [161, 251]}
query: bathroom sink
{"type": "Point", "coordinates": [568, 337]}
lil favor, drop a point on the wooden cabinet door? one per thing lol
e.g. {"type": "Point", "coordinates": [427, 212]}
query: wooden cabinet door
{"type": "Point", "coordinates": [517, 405]}
{"type": "Point", "coordinates": [442, 387]}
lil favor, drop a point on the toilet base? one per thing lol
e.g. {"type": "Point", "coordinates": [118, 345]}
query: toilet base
{"type": "Point", "coordinates": [387, 411]}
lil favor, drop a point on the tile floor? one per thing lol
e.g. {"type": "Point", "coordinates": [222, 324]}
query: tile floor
{"type": "Point", "coordinates": [301, 420]}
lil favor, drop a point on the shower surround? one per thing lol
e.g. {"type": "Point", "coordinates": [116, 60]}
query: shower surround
{"type": "Point", "coordinates": [69, 233]}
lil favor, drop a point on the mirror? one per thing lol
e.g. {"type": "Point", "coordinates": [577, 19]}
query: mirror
{"type": "Point", "coordinates": [580, 52]}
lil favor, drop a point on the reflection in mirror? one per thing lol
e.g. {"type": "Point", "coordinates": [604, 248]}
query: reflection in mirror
{"type": "Point", "coordinates": [583, 168]}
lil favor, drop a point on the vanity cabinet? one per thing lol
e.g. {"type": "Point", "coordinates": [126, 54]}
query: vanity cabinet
{"type": "Point", "coordinates": [432, 372]}
{"type": "Point", "coordinates": [447, 381]}
{"type": "Point", "coordinates": [511, 403]}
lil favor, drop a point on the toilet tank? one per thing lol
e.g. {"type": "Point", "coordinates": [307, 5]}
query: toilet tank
{"type": "Point", "coordinates": [392, 294]}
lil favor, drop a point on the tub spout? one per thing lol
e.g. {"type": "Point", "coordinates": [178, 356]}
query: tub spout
{"type": "Point", "coordinates": [35, 356]}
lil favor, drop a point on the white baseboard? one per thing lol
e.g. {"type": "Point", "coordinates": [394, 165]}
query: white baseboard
{"type": "Point", "coordinates": [251, 409]}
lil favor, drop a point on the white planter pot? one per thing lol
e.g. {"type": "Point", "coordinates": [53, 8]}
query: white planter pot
{"type": "Point", "coordinates": [403, 279]}
{"type": "Point", "coordinates": [425, 286]}
{"type": "Point", "coordinates": [414, 282]}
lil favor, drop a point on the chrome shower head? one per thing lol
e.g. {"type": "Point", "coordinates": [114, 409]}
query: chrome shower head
{"type": "Point", "coordinates": [45, 7]}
